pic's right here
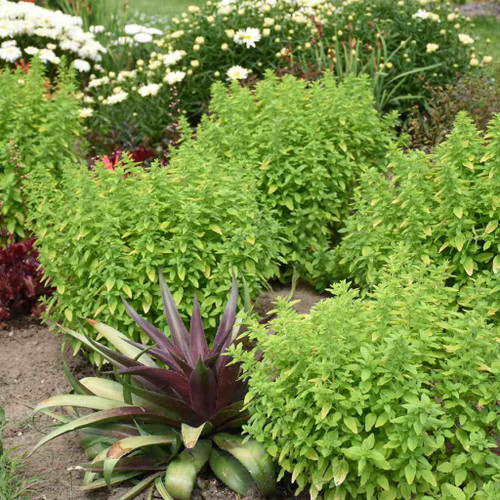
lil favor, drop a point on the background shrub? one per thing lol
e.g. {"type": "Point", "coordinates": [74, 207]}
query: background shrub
{"type": "Point", "coordinates": [306, 145]}
{"type": "Point", "coordinates": [429, 124]}
{"type": "Point", "coordinates": [442, 206]}
{"type": "Point", "coordinates": [104, 233]}
{"type": "Point", "coordinates": [403, 406]}
{"type": "Point", "coordinates": [39, 124]}
{"type": "Point", "coordinates": [20, 280]}
{"type": "Point", "coordinates": [387, 39]}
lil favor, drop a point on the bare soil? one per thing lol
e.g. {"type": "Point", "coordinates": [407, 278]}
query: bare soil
{"type": "Point", "coordinates": [31, 359]}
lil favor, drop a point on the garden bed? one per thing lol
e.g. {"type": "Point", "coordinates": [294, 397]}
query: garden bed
{"type": "Point", "coordinates": [31, 371]}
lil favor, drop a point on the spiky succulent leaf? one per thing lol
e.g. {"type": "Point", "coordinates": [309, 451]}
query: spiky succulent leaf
{"type": "Point", "coordinates": [190, 435]}
{"type": "Point", "coordinates": [110, 389]}
{"type": "Point", "coordinates": [164, 380]}
{"type": "Point", "coordinates": [253, 457]}
{"type": "Point", "coordinates": [180, 336]}
{"type": "Point", "coordinates": [131, 444]}
{"type": "Point", "coordinates": [231, 472]}
{"type": "Point", "coordinates": [102, 417]}
{"type": "Point", "coordinates": [162, 490]}
{"type": "Point", "coordinates": [181, 472]}
{"type": "Point", "coordinates": [116, 479]}
{"type": "Point", "coordinates": [157, 336]}
{"type": "Point", "coordinates": [119, 341]}
{"type": "Point", "coordinates": [203, 390]}
{"type": "Point", "coordinates": [76, 400]}
{"type": "Point", "coordinates": [198, 340]}
{"type": "Point", "coordinates": [228, 319]}
{"type": "Point", "coordinates": [140, 487]}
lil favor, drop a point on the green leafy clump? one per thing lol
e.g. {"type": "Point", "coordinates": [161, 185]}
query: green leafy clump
{"type": "Point", "coordinates": [443, 206]}
{"type": "Point", "coordinates": [171, 410]}
{"type": "Point", "coordinates": [102, 234]}
{"type": "Point", "coordinates": [39, 125]}
{"type": "Point", "coordinates": [391, 396]}
{"type": "Point", "coordinates": [306, 144]}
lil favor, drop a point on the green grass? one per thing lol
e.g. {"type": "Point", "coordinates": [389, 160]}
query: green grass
{"type": "Point", "coordinates": [488, 27]}
{"type": "Point", "coordinates": [162, 7]}
{"type": "Point", "coordinates": [12, 483]}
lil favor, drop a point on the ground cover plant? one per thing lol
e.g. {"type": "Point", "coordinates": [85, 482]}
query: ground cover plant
{"type": "Point", "coordinates": [306, 157]}
{"type": "Point", "coordinates": [39, 124]}
{"type": "Point", "coordinates": [103, 233]}
{"type": "Point", "coordinates": [404, 406]}
{"type": "Point", "coordinates": [441, 206]}
{"type": "Point", "coordinates": [179, 394]}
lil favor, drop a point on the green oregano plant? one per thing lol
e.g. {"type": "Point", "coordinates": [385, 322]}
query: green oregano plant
{"type": "Point", "coordinates": [306, 144]}
{"type": "Point", "coordinates": [102, 234]}
{"type": "Point", "coordinates": [391, 396]}
{"type": "Point", "coordinates": [39, 123]}
{"type": "Point", "coordinates": [443, 206]}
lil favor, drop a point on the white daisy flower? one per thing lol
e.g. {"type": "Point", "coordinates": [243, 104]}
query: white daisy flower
{"type": "Point", "coordinates": [85, 112]}
{"type": "Point", "coordinates": [98, 28]}
{"type": "Point", "coordinates": [8, 43]}
{"type": "Point", "coordinates": [143, 37]}
{"type": "Point", "coordinates": [115, 98]}
{"type": "Point", "coordinates": [133, 29]}
{"type": "Point", "coordinates": [81, 65]}
{"type": "Point", "coordinates": [432, 47]}
{"type": "Point", "coordinates": [149, 90]}
{"type": "Point", "coordinates": [248, 37]}
{"type": "Point", "coordinates": [465, 39]}
{"type": "Point", "coordinates": [10, 54]}
{"type": "Point", "coordinates": [47, 55]}
{"type": "Point", "coordinates": [31, 51]}
{"type": "Point", "coordinates": [421, 14]}
{"type": "Point", "coordinates": [237, 73]}
{"type": "Point", "coordinates": [174, 77]}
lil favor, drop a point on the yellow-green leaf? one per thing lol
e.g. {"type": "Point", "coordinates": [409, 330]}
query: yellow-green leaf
{"type": "Point", "coordinates": [492, 225]}
{"type": "Point", "coordinates": [469, 266]}
{"type": "Point", "coordinates": [350, 423]}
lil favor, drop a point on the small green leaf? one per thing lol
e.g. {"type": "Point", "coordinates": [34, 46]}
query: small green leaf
{"type": "Point", "coordinates": [455, 492]}
{"type": "Point", "coordinates": [350, 423]}
{"type": "Point", "coordinates": [410, 472]}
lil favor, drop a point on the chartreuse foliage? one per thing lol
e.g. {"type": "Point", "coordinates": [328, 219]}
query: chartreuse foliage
{"type": "Point", "coordinates": [443, 206]}
{"type": "Point", "coordinates": [38, 124]}
{"type": "Point", "coordinates": [104, 233]}
{"type": "Point", "coordinates": [387, 397]}
{"type": "Point", "coordinates": [178, 395]}
{"type": "Point", "coordinates": [307, 145]}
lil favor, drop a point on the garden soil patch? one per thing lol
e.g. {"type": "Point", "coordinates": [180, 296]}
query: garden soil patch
{"type": "Point", "coordinates": [31, 371]}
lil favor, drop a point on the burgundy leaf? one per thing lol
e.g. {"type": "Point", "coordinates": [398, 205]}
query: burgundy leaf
{"type": "Point", "coordinates": [228, 319]}
{"type": "Point", "coordinates": [156, 335]}
{"type": "Point", "coordinates": [180, 336]}
{"type": "Point", "coordinates": [227, 383]}
{"type": "Point", "coordinates": [161, 378]}
{"type": "Point", "coordinates": [199, 347]}
{"type": "Point", "coordinates": [203, 390]}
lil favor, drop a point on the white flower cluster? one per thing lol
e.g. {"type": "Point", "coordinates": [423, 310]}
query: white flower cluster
{"type": "Point", "coordinates": [64, 32]}
{"type": "Point", "coordinates": [137, 34]}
